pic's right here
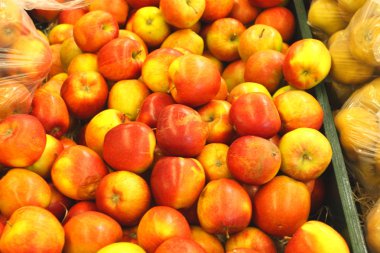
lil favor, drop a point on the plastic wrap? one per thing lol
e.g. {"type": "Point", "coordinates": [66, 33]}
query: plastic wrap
{"type": "Point", "coordinates": [372, 226]}
{"type": "Point", "coordinates": [52, 4]}
{"type": "Point", "coordinates": [358, 125]}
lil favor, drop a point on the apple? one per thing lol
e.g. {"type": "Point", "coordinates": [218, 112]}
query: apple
{"type": "Point", "coordinates": [282, 90]}
{"type": "Point", "coordinates": [3, 222]}
{"type": "Point", "coordinates": [316, 236]}
{"type": "Point", "coordinates": [243, 11]}
{"type": "Point", "coordinates": [21, 187]}
{"type": "Point", "coordinates": [123, 33]}
{"type": "Point", "coordinates": [242, 250]}
{"type": "Point", "coordinates": [51, 110]}
{"type": "Point", "coordinates": [251, 238]}
{"type": "Point", "coordinates": [43, 165]}
{"type": "Point", "coordinates": [85, 94]}
{"type": "Point", "coordinates": [77, 171]}
{"type": "Point", "coordinates": [181, 131]}
{"type": "Point", "coordinates": [216, 10]}
{"type": "Point", "coordinates": [218, 63]}
{"type": "Point", "coordinates": [185, 39]}
{"type": "Point", "coordinates": [209, 242]}
{"type": "Point", "coordinates": [120, 59]}
{"type": "Point", "coordinates": [82, 62]}
{"type": "Point", "coordinates": [179, 244]}
{"type": "Point", "coordinates": [94, 29]}
{"type": "Point", "coordinates": [67, 142]}
{"type": "Point", "coordinates": [281, 206]}
{"type": "Point", "coordinates": [223, 38]}
{"type": "Point", "coordinates": [182, 14]}
{"type": "Point", "coordinates": [298, 108]}
{"type": "Point", "coordinates": [98, 127]}
{"type": "Point", "coordinates": [56, 65]}
{"type": "Point", "coordinates": [152, 107]}
{"type": "Point", "coordinates": [265, 67]}
{"type": "Point", "coordinates": [266, 3]}
{"type": "Point", "coordinates": [60, 33]}
{"type": "Point", "coordinates": [213, 158]}
{"type": "Point", "coordinates": [122, 247]}
{"type": "Point", "coordinates": [158, 224]}
{"type": "Point", "coordinates": [223, 91]}
{"type": "Point", "coordinates": [245, 88]}
{"type": "Point", "coordinates": [255, 114]}
{"type": "Point", "coordinates": [11, 27]}
{"type": "Point", "coordinates": [71, 16]}
{"type": "Point", "coordinates": [351, 6]}
{"type": "Point", "coordinates": [15, 98]}
{"type": "Point", "coordinates": [224, 207]}
{"type": "Point", "coordinates": [371, 224]}
{"type": "Point", "coordinates": [79, 207]}
{"type": "Point", "coordinates": [59, 203]}
{"type": "Point", "coordinates": [124, 196]}
{"type": "Point", "coordinates": [306, 74]}
{"type": "Point", "coordinates": [193, 89]}
{"type": "Point", "coordinates": [155, 68]}
{"type": "Point", "coordinates": [177, 181]}
{"type": "Point", "coordinates": [217, 115]}
{"type": "Point", "coordinates": [69, 49]}
{"type": "Point", "coordinates": [118, 8]}
{"type": "Point", "coordinates": [233, 74]}
{"type": "Point", "coordinates": [129, 146]}
{"type": "Point", "coordinates": [21, 132]}
{"type": "Point", "coordinates": [32, 229]}
{"type": "Point", "coordinates": [149, 23]}
{"type": "Point", "coordinates": [90, 231]}
{"type": "Point", "coordinates": [258, 37]}
{"type": "Point", "coordinates": [280, 18]}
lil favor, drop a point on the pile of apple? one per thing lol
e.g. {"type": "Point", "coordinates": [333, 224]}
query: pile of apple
{"type": "Point", "coordinates": [170, 126]}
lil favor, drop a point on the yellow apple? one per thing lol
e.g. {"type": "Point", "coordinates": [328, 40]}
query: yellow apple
{"type": "Point", "coordinates": [185, 38]}
{"type": "Point", "coordinates": [282, 90]}
{"type": "Point", "coordinates": [122, 247]}
{"type": "Point", "coordinates": [60, 33]}
{"type": "Point", "coordinates": [69, 49]}
{"type": "Point", "coordinates": [83, 62]}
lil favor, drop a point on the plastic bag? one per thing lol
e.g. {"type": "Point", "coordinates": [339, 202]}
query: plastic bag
{"type": "Point", "coordinates": [358, 125]}
{"type": "Point", "coordinates": [372, 227]}
{"type": "Point", "coordinates": [52, 4]}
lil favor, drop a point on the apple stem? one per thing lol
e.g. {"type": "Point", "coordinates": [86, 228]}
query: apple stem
{"type": "Point", "coordinates": [135, 54]}
{"type": "Point", "coordinates": [227, 233]}
{"type": "Point", "coordinates": [262, 33]}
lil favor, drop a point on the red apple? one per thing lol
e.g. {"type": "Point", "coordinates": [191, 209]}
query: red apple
{"type": "Point", "coordinates": [210, 243]}
{"type": "Point", "coordinates": [253, 160]}
{"type": "Point", "coordinates": [118, 8]}
{"type": "Point", "coordinates": [266, 3]}
{"type": "Point", "coordinates": [181, 131]}
{"type": "Point", "coordinates": [243, 11]}
{"type": "Point", "coordinates": [265, 67]}
{"type": "Point", "coordinates": [124, 196]}
{"type": "Point", "coordinates": [179, 244]}
{"type": "Point", "coordinates": [71, 16]}
{"type": "Point", "coordinates": [85, 94]}
{"type": "Point", "coordinates": [77, 172]}
{"type": "Point", "coordinates": [59, 203]}
{"type": "Point", "coordinates": [90, 231]}
{"type": "Point", "coordinates": [215, 10]}
{"type": "Point", "coordinates": [177, 181]}
{"type": "Point", "coordinates": [21, 132]}
{"type": "Point", "coordinates": [94, 29]}
{"type": "Point", "coordinates": [194, 80]}
{"type": "Point", "coordinates": [159, 224]}
{"type": "Point", "coordinates": [224, 207]}
{"type": "Point", "coordinates": [129, 146]}
{"type": "Point", "coordinates": [152, 107]}
{"type": "Point", "coordinates": [136, 4]}
{"type": "Point", "coordinates": [233, 74]}
{"type": "Point", "coordinates": [32, 229]}
{"type": "Point", "coordinates": [255, 114]}
{"type": "Point", "coordinates": [79, 207]}
{"type": "Point", "coordinates": [121, 59]}
{"type": "Point", "coordinates": [244, 88]}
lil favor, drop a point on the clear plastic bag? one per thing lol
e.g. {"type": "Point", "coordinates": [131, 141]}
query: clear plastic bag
{"type": "Point", "coordinates": [52, 4]}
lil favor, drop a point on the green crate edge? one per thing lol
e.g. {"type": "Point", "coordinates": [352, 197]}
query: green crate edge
{"type": "Point", "coordinates": [351, 228]}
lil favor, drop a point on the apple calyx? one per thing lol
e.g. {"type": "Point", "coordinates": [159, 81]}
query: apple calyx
{"type": "Point", "coordinates": [233, 37]}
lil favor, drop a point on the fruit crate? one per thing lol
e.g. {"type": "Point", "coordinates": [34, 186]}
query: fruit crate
{"type": "Point", "coordinates": [341, 210]}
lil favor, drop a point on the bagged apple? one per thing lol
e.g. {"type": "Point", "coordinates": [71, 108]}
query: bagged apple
{"type": "Point", "coordinates": [372, 227]}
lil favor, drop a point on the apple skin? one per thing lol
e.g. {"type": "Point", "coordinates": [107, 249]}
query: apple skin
{"type": "Point", "coordinates": [266, 3]}
{"type": "Point", "coordinates": [136, 4]}
{"type": "Point", "coordinates": [15, 98]}
{"type": "Point", "coordinates": [179, 244]}
{"type": "Point", "coordinates": [243, 250]}
{"type": "Point", "coordinates": [71, 16]}
{"type": "Point", "coordinates": [306, 63]}
{"type": "Point", "coordinates": [32, 229]}
{"type": "Point", "coordinates": [265, 67]}
{"type": "Point", "coordinates": [123, 195]}
{"type": "Point", "coordinates": [21, 132]}
{"type": "Point", "coordinates": [129, 146]}
{"type": "Point", "coordinates": [79, 207]}
{"type": "Point", "coordinates": [298, 108]}
{"type": "Point", "coordinates": [253, 160]}
{"type": "Point", "coordinates": [122, 247]}
{"type": "Point", "coordinates": [243, 11]}
{"type": "Point", "coordinates": [59, 203]}
{"type": "Point", "coordinates": [181, 131]}
{"type": "Point", "coordinates": [21, 187]}
{"type": "Point", "coordinates": [51, 111]}
{"type": "Point", "coordinates": [316, 236]}
{"type": "Point", "coordinates": [194, 80]}
{"type": "Point", "coordinates": [233, 74]}
{"type": "Point", "coordinates": [224, 207]}
{"type": "Point", "coordinates": [121, 59]}
{"type": "Point", "coordinates": [223, 38]}
{"type": "Point", "coordinates": [152, 107]}
{"type": "Point", "coordinates": [280, 18]}
{"type": "Point", "coordinates": [82, 62]}
{"type": "Point", "coordinates": [118, 8]}
{"type": "Point", "coordinates": [182, 14]}
{"type": "Point", "coordinates": [185, 39]}
{"type": "Point", "coordinates": [94, 29]}
{"type": "Point", "coordinates": [56, 65]}
{"type": "Point", "coordinates": [60, 33]}
{"type": "Point", "coordinates": [90, 231]}
{"type": "Point", "coordinates": [306, 153]}
{"type": "Point", "coordinates": [255, 114]}
{"type": "Point", "coordinates": [160, 223]}
{"type": "Point", "coordinates": [251, 238]}
{"type": "Point", "coordinates": [155, 68]}
{"type": "Point", "coordinates": [216, 10]}
{"type": "Point", "coordinates": [244, 88]}
{"type": "Point", "coordinates": [177, 181]}
{"type": "Point", "coordinates": [77, 172]}
{"type": "Point", "coordinates": [209, 242]}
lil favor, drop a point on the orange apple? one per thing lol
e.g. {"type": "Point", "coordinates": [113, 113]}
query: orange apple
{"type": "Point", "coordinates": [15, 97]}
{"type": "Point", "coordinates": [60, 33]}
{"type": "Point", "coordinates": [186, 39]}
{"type": "Point", "coordinates": [78, 208]}
{"type": "Point", "coordinates": [56, 65]}
{"type": "Point", "coordinates": [127, 96]}
{"type": "Point", "coordinates": [251, 238]}
{"type": "Point", "coordinates": [77, 172]}
{"type": "Point", "coordinates": [233, 74]}
{"type": "Point", "coordinates": [213, 158]}
{"type": "Point", "coordinates": [59, 203]}
{"type": "Point", "coordinates": [179, 244]}
{"type": "Point", "coordinates": [215, 10]}
{"type": "Point", "coordinates": [243, 11]}
{"type": "Point", "coordinates": [71, 16]}
{"type": "Point", "coordinates": [245, 88]}
{"type": "Point", "coordinates": [82, 62]}
{"type": "Point", "coordinates": [118, 8]}
{"type": "Point", "coordinates": [223, 90]}
{"type": "Point", "coordinates": [219, 64]}
{"type": "Point", "coordinates": [124, 196]}
{"type": "Point", "coordinates": [209, 242]}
